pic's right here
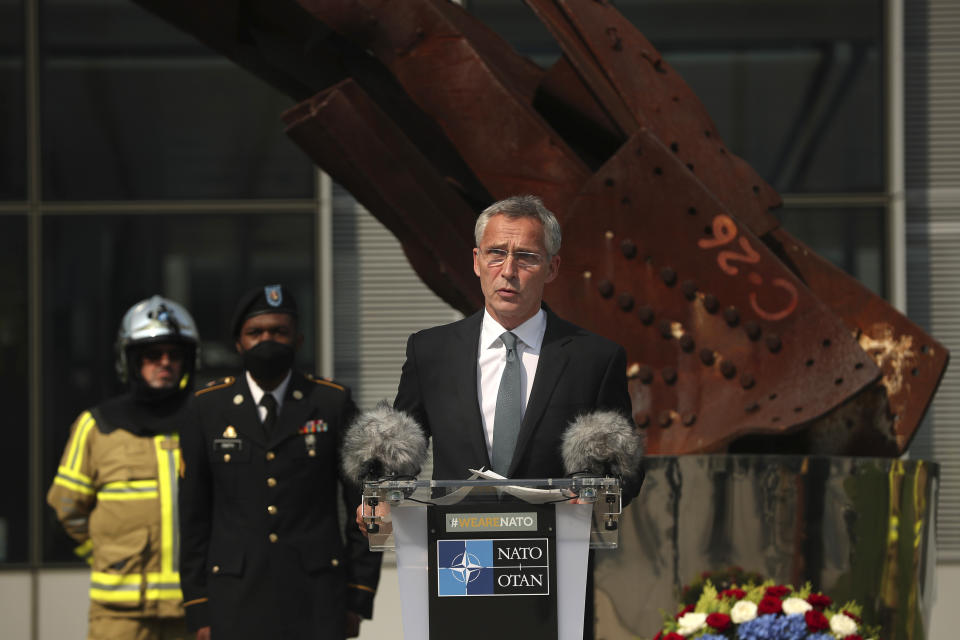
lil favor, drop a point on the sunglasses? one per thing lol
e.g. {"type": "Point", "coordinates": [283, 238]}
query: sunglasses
{"type": "Point", "coordinates": [155, 354]}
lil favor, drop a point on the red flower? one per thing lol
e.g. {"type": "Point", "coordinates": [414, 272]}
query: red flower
{"type": "Point", "coordinates": [777, 591]}
{"type": "Point", "coordinates": [657, 637]}
{"type": "Point", "coordinates": [685, 610]}
{"type": "Point", "coordinates": [719, 621]}
{"type": "Point", "coordinates": [673, 636]}
{"type": "Point", "coordinates": [855, 618]}
{"type": "Point", "coordinates": [819, 601]}
{"type": "Point", "coordinates": [816, 621]}
{"type": "Point", "coordinates": [853, 636]}
{"type": "Point", "coordinates": [769, 604]}
{"type": "Point", "coordinates": [736, 594]}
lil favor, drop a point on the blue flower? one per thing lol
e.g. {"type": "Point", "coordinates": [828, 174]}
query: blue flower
{"type": "Point", "coordinates": [793, 627]}
{"type": "Point", "coordinates": [760, 628]}
{"type": "Point", "coordinates": [821, 636]}
{"type": "Point", "coordinates": [713, 636]}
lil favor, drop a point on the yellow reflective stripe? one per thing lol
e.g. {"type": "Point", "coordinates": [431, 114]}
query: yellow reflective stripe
{"type": "Point", "coordinates": [73, 485]}
{"type": "Point", "coordinates": [109, 587]}
{"type": "Point", "coordinates": [168, 465]}
{"type": "Point", "coordinates": [75, 459]}
{"type": "Point", "coordinates": [70, 474]}
{"type": "Point", "coordinates": [128, 490]}
{"type": "Point", "coordinates": [84, 550]}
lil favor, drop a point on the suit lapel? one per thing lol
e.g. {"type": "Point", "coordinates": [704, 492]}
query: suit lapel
{"type": "Point", "coordinates": [243, 415]}
{"type": "Point", "coordinates": [550, 367]}
{"type": "Point", "coordinates": [465, 381]}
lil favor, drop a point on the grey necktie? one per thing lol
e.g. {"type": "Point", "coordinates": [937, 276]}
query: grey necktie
{"type": "Point", "coordinates": [506, 419]}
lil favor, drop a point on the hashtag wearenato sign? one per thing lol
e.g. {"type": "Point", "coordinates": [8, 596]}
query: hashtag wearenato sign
{"type": "Point", "coordinates": [472, 522]}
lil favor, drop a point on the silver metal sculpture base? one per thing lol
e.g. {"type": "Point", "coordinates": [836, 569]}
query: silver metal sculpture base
{"type": "Point", "coordinates": [855, 528]}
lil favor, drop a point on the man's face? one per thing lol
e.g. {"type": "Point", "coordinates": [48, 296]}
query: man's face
{"type": "Point", "coordinates": [279, 327]}
{"type": "Point", "coordinates": [512, 291]}
{"type": "Point", "coordinates": [161, 365]}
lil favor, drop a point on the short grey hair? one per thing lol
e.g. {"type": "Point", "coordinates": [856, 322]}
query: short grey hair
{"type": "Point", "coordinates": [526, 206]}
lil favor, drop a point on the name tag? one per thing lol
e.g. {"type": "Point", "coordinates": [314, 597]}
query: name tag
{"type": "Point", "coordinates": [222, 445]}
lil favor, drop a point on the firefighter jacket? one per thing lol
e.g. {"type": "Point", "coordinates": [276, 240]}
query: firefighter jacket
{"type": "Point", "coordinates": [115, 493]}
{"type": "Point", "coordinates": [266, 552]}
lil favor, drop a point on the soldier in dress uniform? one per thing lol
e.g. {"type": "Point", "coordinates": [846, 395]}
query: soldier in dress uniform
{"type": "Point", "coordinates": [262, 554]}
{"type": "Point", "coordinates": [116, 486]}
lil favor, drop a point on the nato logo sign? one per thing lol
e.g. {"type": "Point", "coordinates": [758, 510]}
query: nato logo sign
{"type": "Point", "coordinates": [502, 567]}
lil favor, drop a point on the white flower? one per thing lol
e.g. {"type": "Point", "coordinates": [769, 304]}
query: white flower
{"type": "Point", "coordinates": [743, 611]}
{"type": "Point", "coordinates": [795, 605]}
{"type": "Point", "coordinates": [842, 625]}
{"type": "Point", "coordinates": [691, 623]}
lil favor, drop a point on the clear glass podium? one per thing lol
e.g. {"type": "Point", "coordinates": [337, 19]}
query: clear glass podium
{"type": "Point", "coordinates": [482, 557]}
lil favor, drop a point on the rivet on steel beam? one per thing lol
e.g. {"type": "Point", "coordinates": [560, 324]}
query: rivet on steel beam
{"type": "Point", "coordinates": [858, 366]}
{"type": "Point", "coordinates": [809, 362]}
{"type": "Point", "coordinates": [753, 329]}
{"type": "Point", "coordinates": [669, 276]}
{"type": "Point", "coordinates": [750, 408]}
{"type": "Point", "coordinates": [646, 314]}
{"type": "Point", "coordinates": [707, 357]}
{"type": "Point", "coordinates": [826, 342]}
{"type": "Point", "coordinates": [664, 418]}
{"type": "Point", "coordinates": [747, 380]}
{"type": "Point", "coordinates": [625, 301]}
{"type": "Point", "coordinates": [674, 147]}
{"type": "Point", "coordinates": [605, 287]}
{"type": "Point", "coordinates": [669, 375]}
{"type": "Point", "coordinates": [665, 328]}
{"type": "Point", "coordinates": [728, 369]}
{"type": "Point", "coordinates": [689, 288]}
{"type": "Point", "coordinates": [687, 343]}
{"type": "Point", "coordinates": [756, 189]}
{"type": "Point", "coordinates": [692, 211]}
{"type": "Point", "coordinates": [731, 315]}
{"type": "Point", "coordinates": [773, 343]}
{"type": "Point", "coordinates": [643, 421]}
{"type": "Point", "coordinates": [625, 201]}
{"type": "Point", "coordinates": [690, 166]}
{"type": "Point", "coordinates": [608, 182]}
{"type": "Point", "coordinates": [798, 409]}
{"type": "Point", "coordinates": [689, 419]}
{"type": "Point", "coordinates": [710, 303]}
{"type": "Point", "coordinates": [657, 171]}
{"type": "Point", "coordinates": [645, 374]}
{"type": "Point", "coordinates": [629, 248]}
{"type": "Point", "coordinates": [707, 133]}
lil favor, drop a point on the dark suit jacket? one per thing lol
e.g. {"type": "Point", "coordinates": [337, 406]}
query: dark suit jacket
{"type": "Point", "coordinates": [261, 553]}
{"type": "Point", "coordinates": [577, 372]}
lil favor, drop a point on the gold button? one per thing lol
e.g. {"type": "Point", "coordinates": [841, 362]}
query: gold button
{"type": "Point", "coordinates": [271, 482]}
{"type": "Point", "coordinates": [335, 562]}
{"type": "Point", "coordinates": [273, 537]}
{"type": "Point", "coordinates": [272, 510]}
{"type": "Point", "coordinates": [312, 453]}
{"type": "Point", "coordinates": [226, 457]}
{"type": "Point", "coordinates": [216, 568]}
{"type": "Point", "coordinates": [271, 455]}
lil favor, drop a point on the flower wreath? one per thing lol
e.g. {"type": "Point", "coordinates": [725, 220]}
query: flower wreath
{"type": "Point", "coordinates": [769, 611]}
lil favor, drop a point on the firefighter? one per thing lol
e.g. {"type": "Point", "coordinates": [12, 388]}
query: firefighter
{"type": "Point", "coordinates": [115, 491]}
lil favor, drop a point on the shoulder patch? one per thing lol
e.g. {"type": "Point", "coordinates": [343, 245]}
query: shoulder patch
{"type": "Point", "coordinates": [213, 385]}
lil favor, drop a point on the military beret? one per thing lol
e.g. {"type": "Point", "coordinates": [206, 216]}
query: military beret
{"type": "Point", "coordinates": [273, 298]}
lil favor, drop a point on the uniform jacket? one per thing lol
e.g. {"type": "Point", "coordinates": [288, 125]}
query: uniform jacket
{"type": "Point", "coordinates": [262, 554]}
{"type": "Point", "coordinates": [116, 494]}
{"type": "Point", "coordinates": [577, 372]}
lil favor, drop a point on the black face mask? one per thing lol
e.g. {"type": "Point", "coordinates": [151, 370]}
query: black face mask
{"type": "Point", "coordinates": [268, 360]}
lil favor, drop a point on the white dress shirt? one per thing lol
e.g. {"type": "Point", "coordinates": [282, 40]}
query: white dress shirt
{"type": "Point", "coordinates": [277, 394]}
{"type": "Point", "coordinates": [492, 358]}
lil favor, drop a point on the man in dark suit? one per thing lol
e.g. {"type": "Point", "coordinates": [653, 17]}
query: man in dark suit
{"type": "Point", "coordinates": [261, 554]}
{"type": "Point", "coordinates": [452, 379]}
{"type": "Point", "coordinates": [499, 389]}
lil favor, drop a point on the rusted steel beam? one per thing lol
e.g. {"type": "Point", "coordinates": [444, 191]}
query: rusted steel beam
{"type": "Point", "coordinates": [735, 331]}
{"type": "Point", "coordinates": [343, 130]}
